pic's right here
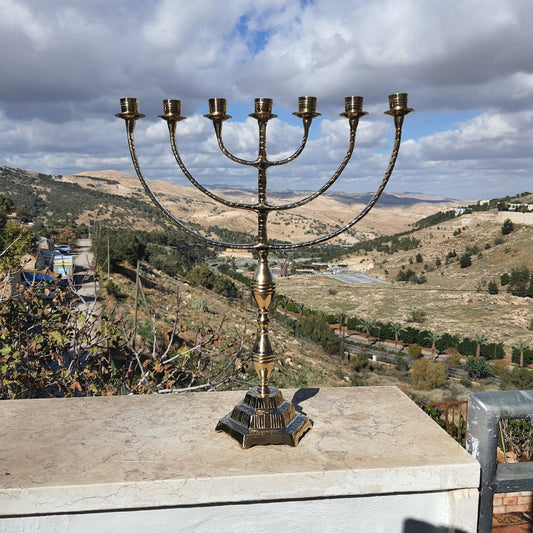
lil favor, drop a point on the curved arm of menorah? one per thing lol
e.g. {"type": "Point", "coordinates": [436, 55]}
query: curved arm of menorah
{"type": "Point", "coordinates": [398, 120]}
{"type": "Point", "coordinates": [130, 124]}
{"type": "Point", "coordinates": [354, 121]}
{"type": "Point", "coordinates": [307, 125]}
{"type": "Point", "coordinates": [188, 175]}
{"type": "Point", "coordinates": [218, 132]}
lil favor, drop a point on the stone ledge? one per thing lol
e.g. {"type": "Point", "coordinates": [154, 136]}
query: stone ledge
{"type": "Point", "coordinates": [134, 452]}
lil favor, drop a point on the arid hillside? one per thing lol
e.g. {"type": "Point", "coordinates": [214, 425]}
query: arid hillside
{"type": "Point", "coordinates": [393, 213]}
{"type": "Point", "coordinates": [453, 297]}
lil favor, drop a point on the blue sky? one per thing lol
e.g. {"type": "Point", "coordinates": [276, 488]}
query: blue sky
{"type": "Point", "coordinates": [467, 66]}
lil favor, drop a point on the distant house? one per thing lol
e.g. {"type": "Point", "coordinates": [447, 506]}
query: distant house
{"type": "Point", "coordinates": [524, 208]}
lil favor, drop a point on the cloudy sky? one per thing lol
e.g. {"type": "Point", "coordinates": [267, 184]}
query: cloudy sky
{"type": "Point", "coordinates": [466, 64]}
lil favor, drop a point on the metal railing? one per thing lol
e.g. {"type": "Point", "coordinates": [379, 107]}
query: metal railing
{"type": "Point", "coordinates": [454, 418]}
{"type": "Point", "coordinates": [485, 410]}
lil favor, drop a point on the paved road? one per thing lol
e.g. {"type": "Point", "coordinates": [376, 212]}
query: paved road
{"type": "Point", "coordinates": [357, 278]}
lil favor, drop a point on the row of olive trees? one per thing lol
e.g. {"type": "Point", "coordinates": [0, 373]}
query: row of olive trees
{"type": "Point", "coordinates": [478, 345]}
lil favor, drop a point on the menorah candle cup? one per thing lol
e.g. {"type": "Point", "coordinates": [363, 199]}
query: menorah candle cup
{"type": "Point", "coordinates": [218, 106]}
{"type": "Point", "coordinates": [353, 104]}
{"type": "Point", "coordinates": [398, 105]}
{"type": "Point", "coordinates": [172, 107]}
{"type": "Point", "coordinates": [129, 105]}
{"type": "Point", "coordinates": [129, 110]}
{"type": "Point", "coordinates": [307, 104]}
{"type": "Point", "coordinates": [353, 107]}
{"type": "Point", "coordinates": [263, 106]}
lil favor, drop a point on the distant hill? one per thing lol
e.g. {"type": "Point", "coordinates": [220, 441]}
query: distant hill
{"type": "Point", "coordinates": [116, 198]}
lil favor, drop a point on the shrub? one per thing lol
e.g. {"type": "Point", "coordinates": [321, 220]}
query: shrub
{"type": "Point", "coordinates": [477, 368]}
{"type": "Point", "coordinates": [465, 260]}
{"type": "Point", "coordinates": [499, 366]}
{"type": "Point", "coordinates": [428, 375]}
{"type": "Point", "coordinates": [507, 227]}
{"type": "Point", "coordinates": [492, 287]}
{"type": "Point", "coordinates": [454, 359]}
{"type": "Point", "coordinates": [516, 379]}
{"type": "Point", "coordinates": [113, 289]}
{"type": "Point", "coordinates": [414, 351]}
{"type": "Point", "coordinates": [417, 315]}
{"type": "Point", "coordinates": [400, 363]}
{"type": "Point", "coordinates": [360, 362]}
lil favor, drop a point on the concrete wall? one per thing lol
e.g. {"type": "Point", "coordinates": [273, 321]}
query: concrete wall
{"type": "Point", "coordinates": [516, 218]}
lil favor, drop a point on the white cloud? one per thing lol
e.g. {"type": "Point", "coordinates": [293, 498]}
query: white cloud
{"type": "Point", "coordinates": [67, 68]}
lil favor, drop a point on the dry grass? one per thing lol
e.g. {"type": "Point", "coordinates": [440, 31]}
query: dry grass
{"type": "Point", "coordinates": [299, 363]}
{"type": "Point", "coordinates": [454, 299]}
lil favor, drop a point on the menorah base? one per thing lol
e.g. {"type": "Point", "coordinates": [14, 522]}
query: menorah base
{"type": "Point", "coordinates": [264, 420]}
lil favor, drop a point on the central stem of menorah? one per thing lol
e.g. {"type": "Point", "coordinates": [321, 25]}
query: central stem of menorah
{"type": "Point", "coordinates": [263, 417]}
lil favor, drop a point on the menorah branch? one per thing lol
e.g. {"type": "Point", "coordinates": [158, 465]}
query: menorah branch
{"type": "Point", "coordinates": [199, 186]}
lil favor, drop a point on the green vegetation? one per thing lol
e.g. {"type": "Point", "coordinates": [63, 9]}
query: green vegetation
{"type": "Point", "coordinates": [428, 375]}
{"type": "Point", "coordinates": [507, 227]}
{"type": "Point", "coordinates": [40, 194]}
{"type": "Point", "coordinates": [170, 251]}
{"type": "Point", "coordinates": [477, 368]}
{"type": "Point", "coordinates": [519, 282]}
{"type": "Point", "coordinates": [492, 287]}
{"type": "Point", "coordinates": [219, 283]}
{"type": "Point", "coordinates": [433, 220]}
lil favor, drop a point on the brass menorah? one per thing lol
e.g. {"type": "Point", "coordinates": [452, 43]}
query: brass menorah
{"type": "Point", "coordinates": [264, 417]}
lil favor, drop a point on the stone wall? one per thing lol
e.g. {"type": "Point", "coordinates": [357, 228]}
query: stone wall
{"type": "Point", "coordinates": [516, 218]}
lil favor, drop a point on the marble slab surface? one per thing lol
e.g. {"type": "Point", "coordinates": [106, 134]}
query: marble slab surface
{"type": "Point", "coordinates": [80, 454]}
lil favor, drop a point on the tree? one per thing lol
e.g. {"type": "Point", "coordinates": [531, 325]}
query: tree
{"type": "Point", "coordinates": [428, 375]}
{"type": "Point", "coordinates": [400, 363]}
{"type": "Point", "coordinates": [414, 351]}
{"type": "Point", "coordinates": [507, 226]}
{"type": "Point", "coordinates": [366, 325]}
{"type": "Point", "coordinates": [64, 234]}
{"type": "Point", "coordinates": [480, 339]}
{"type": "Point", "coordinates": [521, 347]}
{"type": "Point", "coordinates": [477, 368]}
{"type": "Point", "coordinates": [342, 331]}
{"type": "Point", "coordinates": [202, 275]}
{"type": "Point", "coordinates": [465, 260]}
{"type": "Point", "coordinates": [15, 241]}
{"type": "Point", "coordinates": [433, 337]}
{"type": "Point", "coordinates": [492, 287]}
{"type": "Point", "coordinates": [396, 328]}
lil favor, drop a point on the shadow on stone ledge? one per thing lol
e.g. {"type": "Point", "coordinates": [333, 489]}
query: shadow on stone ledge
{"type": "Point", "coordinates": [301, 395]}
{"type": "Point", "coordinates": [416, 526]}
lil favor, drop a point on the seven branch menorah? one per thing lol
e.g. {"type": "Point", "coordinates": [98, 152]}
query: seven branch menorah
{"type": "Point", "coordinates": [263, 416]}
